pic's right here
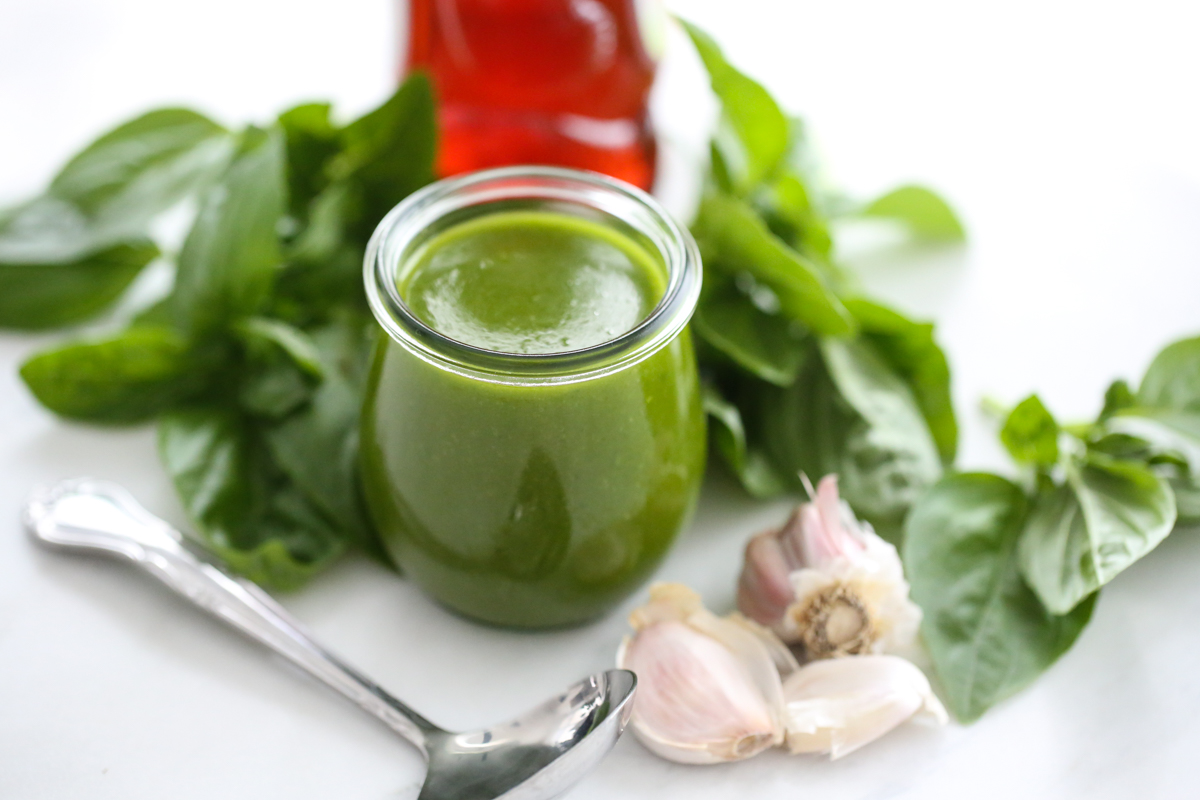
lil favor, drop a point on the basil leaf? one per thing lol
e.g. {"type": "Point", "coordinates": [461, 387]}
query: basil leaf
{"type": "Point", "coordinates": [986, 631]}
{"type": "Point", "coordinates": [1030, 433]}
{"type": "Point", "coordinates": [1080, 536]}
{"type": "Point", "coordinates": [1122, 445]}
{"type": "Point", "coordinates": [1186, 489]}
{"type": "Point", "coordinates": [1165, 431]}
{"type": "Point", "coordinates": [244, 508]}
{"type": "Point", "coordinates": [273, 388]}
{"type": "Point", "coordinates": [911, 351]}
{"type": "Point", "coordinates": [849, 414]}
{"type": "Point", "coordinates": [890, 457]}
{"type": "Point", "coordinates": [324, 266]}
{"type": "Point", "coordinates": [1173, 377]}
{"type": "Point", "coordinates": [769, 346]}
{"type": "Point", "coordinates": [747, 462]}
{"type": "Point", "coordinates": [127, 378]}
{"type": "Point", "coordinates": [1117, 397]}
{"type": "Point", "coordinates": [786, 207]}
{"type": "Point", "coordinates": [295, 343]}
{"type": "Point", "coordinates": [388, 153]}
{"type": "Point", "coordinates": [1170, 443]}
{"type": "Point", "coordinates": [68, 254]}
{"type": "Point", "coordinates": [283, 367]}
{"type": "Point", "coordinates": [317, 447]}
{"type": "Point", "coordinates": [734, 239]}
{"type": "Point", "coordinates": [748, 110]}
{"type": "Point", "coordinates": [312, 141]}
{"type": "Point", "coordinates": [922, 211]}
{"type": "Point", "coordinates": [143, 167]}
{"type": "Point", "coordinates": [229, 260]}
{"type": "Point", "coordinates": [54, 271]}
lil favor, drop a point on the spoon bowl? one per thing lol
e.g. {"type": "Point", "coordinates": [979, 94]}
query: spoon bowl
{"type": "Point", "coordinates": [539, 754]}
{"type": "Point", "coordinates": [535, 756]}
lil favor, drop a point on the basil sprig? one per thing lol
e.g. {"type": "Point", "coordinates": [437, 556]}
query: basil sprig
{"type": "Point", "coordinates": [255, 363]}
{"type": "Point", "coordinates": [1008, 573]}
{"type": "Point", "coordinates": [804, 375]}
{"type": "Point", "coordinates": [66, 255]}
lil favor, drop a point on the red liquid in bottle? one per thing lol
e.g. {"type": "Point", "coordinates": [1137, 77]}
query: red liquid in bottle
{"type": "Point", "coordinates": [561, 82]}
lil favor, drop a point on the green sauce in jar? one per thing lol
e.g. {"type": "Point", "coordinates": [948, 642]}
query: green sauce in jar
{"type": "Point", "coordinates": [531, 282]}
{"type": "Point", "coordinates": [514, 488]}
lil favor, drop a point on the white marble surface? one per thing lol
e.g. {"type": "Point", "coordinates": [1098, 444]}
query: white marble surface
{"type": "Point", "coordinates": [1065, 132]}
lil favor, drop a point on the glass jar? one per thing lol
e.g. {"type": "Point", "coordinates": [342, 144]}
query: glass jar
{"type": "Point", "coordinates": [532, 490]}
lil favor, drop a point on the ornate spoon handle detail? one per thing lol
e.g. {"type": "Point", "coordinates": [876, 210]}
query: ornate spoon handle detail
{"type": "Point", "coordinates": [86, 514]}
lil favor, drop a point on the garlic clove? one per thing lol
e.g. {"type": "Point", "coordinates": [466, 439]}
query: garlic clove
{"type": "Point", "coordinates": [837, 706]}
{"type": "Point", "coordinates": [709, 689]}
{"type": "Point", "coordinates": [846, 595]}
{"type": "Point", "coordinates": [696, 703]}
{"type": "Point", "coordinates": [828, 533]}
{"type": "Point", "coordinates": [764, 588]}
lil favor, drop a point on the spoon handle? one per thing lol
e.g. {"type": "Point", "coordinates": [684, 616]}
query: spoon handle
{"type": "Point", "coordinates": [102, 517]}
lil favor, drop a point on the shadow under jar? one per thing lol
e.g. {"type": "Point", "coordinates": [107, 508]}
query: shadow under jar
{"type": "Point", "coordinates": [533, 437]}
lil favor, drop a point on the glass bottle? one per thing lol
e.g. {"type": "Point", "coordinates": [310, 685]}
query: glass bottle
{"type": "Point", "coordinates": [562, 82]}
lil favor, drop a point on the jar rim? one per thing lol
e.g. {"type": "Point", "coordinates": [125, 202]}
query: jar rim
{"type": "Point", "coordinates": [399, 230]}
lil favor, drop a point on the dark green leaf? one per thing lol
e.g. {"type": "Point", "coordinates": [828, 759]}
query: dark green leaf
{"type": "Point", "coordinates": [143, 167]}
{"type": "Point", "coordinates": [1079, 537]}
{"type": "Point", "coordinates": [767, 345]}
{"type": "Point", "coordinates": [787, 209]}
{"type": "Point", "coordinates": [1168, 440]}
{"type": "Point", "coordinates": [748, 463]}
{"type": "Point", "coordinates": [318, 446]}
{"type": "Point", "coordinates": [1117, 397]}
{"type": "Point", "coordinates": [324, 268]}
{"type": "Point", "coordinates": [890, 457]}
{"type": "Point", "coordinates": [263, 332]}
{"type": "Point", "coordinates": [52, 271]}
{"type": "Point", "coordinates": [388, 153]}
{"type": "Point", "coordinates": [1122, 445]}
{"type": "Point", "coordinates": [1186, 489]}
{"type": "Point", "coordinates": [68, 254]}
{"type": "Point", "coordinates": [986, 631]}
{"type": "Point", "coordinates": [1173, 378]}
{"type": "Point", "coordinates": [1031, 434]}
{"type": "Point", "coordinates": [749, 111]}
{"type": "Point", "coordinates": [312, 142]}
{"type": "Point", "coordinates": [1166, 431]}
{"type": "Point", "coordinates": [849, 414]}
{"type": "Point", "coordinates": [128, 378]}
{"type": "Point", "coordinates": [922, 211]}
{"type": "Point", "coordinates": [283, 367]}
{"type": "Point", "coordinates": [735, 240]}
{"type": "Point", "coordinates": [274, 388]}
{"type": "Point", "coordinates": [243, 506]}
{"type": "Point", "coordinates": [231, 255]}
{"type": "Point", "coordinates": [911, 351]}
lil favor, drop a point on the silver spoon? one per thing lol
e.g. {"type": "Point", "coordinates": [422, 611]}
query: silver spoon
{"type": "Point", "coordinates": [536, 756]}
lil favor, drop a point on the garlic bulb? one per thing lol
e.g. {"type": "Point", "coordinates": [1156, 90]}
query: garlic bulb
{"type": "Point", "coordinates": [836, 706]}
{"type": "Point", "coordinates": [827, 582]}
{"type": "Point", "coordinates": [709, 689]}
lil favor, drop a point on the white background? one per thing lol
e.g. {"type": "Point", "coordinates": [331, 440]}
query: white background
{"type": "Point", "coordinates": [1066, 133]}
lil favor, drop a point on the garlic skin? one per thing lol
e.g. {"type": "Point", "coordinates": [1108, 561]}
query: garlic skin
{"type": "Point", "coordinates": [709, 689]}
{"type": "Point", "coordinates": [827, 582]}
{"type": "Point", "coordinates": [836, 706]}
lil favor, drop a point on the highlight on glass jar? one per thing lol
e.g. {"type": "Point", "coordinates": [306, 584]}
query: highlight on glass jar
{"type": "Point", "coordinates": [532, 436]}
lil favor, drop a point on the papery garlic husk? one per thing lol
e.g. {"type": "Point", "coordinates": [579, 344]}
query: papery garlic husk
{"type": "Point", "coordinates": [827, 582]}
{"type": "Point", "coordinates": [836, 706]}
{"type": "Point", "coordinates": [709, 689]}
